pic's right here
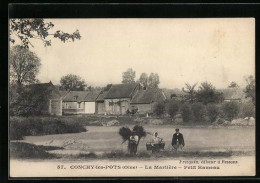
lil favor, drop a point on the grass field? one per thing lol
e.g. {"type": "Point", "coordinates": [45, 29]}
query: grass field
{"type": "Point", "coordinates": [101, 139]}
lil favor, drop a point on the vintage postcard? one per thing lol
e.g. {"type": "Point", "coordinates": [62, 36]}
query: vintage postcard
{"type": "Point", "coordinates": [132, 97]}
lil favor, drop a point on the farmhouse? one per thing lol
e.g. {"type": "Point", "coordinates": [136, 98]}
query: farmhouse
{"type": "Point", "coordinates": [233, 94]}
{"type": "Point", "coordinates": [118, 97]}
{"type": "Point", "coordinates": [145, 100]}
{"type": "Point", "coordinates": [79, 102]}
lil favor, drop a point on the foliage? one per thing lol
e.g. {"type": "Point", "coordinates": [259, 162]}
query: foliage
{"type": "Point", "coordinates": [233, 84]}
{"type": "Point", "coordinates": [72, 82]}
{"type": "Point", "coordinates": [143, 80]}
{"type": "Point", "coordinates": [247, 110]}
{"type": "Point", "coordinates": [159, 108]}
{"type": "Point", "coordinates": [125, 133]}
{"type": "Point", "coordinates": [20, 127]}
{"type": "Point", "coordinates": [173, 107]}
{"type": "Point", "coordinates": [230, 110]}
{"type": "Point", "coordinates": [213, 112]}
{"type": "Point", "coordinates": [199, 111]}
{"type": "Point", "coordinates": [186, 112]}
{"type": "Point", "coordinates": [128, 76]}
{"type": "Point", "coordinates": [190, 90]}
{"type": "Point", "coordinates": [250, 88]}
{"type": "Point", "coordinates": [24, 65]}
{"type": "Point", "coordinates": [153, 80]}
{"type": "Point", "coordinates": [27, 29]}
{"type": "Point", "coordinates": [140, 132]}
{"type": "Point", "coordinates": [208, 94]}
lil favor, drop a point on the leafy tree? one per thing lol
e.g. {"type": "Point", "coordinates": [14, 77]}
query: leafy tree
{"type": "Point", "coordinates": [173, 108]}
{"type": "Point", "coordinates": [230, 110]}
{"type": "Point", "coordinates": [190, 90]}
{"type": "Point", "coordinates": [144, 80]}
{"type": "Point", "coordinates": [233, 84]}
{"type": "Point", "coordinates": [212, 112]}
{"type": "Point", "coordinates": [159, 108]}
{"type": "Point", "coordinates": [153, 80]}
{"type": "Point", "coordinates": [24, 66]}
{"type": "Point", "coordinates": [199, 111]}
{"type": "Point", "coordinates": [128, 76]}
{"type": "Point", "coordinates": [250, 88]}
{"type": "Point", "coordinates": [27, 29]}
{"type": "Point", "coordinates": [72, 82]}
{"type": "Point", "coordinates": [186, 112]}
{"type": "Point", "coordinates": [207, 93]}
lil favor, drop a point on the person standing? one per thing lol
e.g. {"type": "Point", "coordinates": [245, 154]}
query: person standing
{"type": "Point", "coordinates": [133, 143]}
{"type": "Point", "coordinates": [177, 141]}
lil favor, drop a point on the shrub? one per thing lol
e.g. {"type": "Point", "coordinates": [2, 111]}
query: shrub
{"type": "Point", "coordinates": [212, 112]}
{"type": "Point", "coordinates": [186, 112]}
{"type": "Point", "coordinates": [173, 108]}
{"type": "Point", "coordinates": [199, 111]}
{"type": "Point", "coordinates": [247, 110]}
{"type": "Point", "coordinates": [230, 110]}
{"type": "Point", "coordinates": [159, 108]}
{"type": "Point", "coordinates": [20, 126]}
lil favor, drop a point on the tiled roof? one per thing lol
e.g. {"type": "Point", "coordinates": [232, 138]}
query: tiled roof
{"type": "Point", "coordinates": [121, 91]}
{"type": "Point", "coordinates": [148, 96]}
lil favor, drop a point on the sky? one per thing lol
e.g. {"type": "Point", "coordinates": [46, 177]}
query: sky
{"type": "Point", "coordinates": [179, 50]}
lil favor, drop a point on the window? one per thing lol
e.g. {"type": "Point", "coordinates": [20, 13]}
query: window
{"type": "Point", "coordinates": [66, 106]}
{"type": "Point", "coordinates": [79, 105]}
{"type": "Point", "coordinates": [75, 97]}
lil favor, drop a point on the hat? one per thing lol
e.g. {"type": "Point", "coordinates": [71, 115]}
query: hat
{"type": "Point", "coordinates": [177, 129]}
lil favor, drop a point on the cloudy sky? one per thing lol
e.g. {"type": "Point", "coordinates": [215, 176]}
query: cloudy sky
{"type": "Point", "coordinates": [179, 50]}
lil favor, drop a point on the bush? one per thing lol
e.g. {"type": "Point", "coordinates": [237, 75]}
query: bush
{"type": "Point", "coordinates": [199, 111]}
{"type": "Point", "coordinates": [173, 108]}
{"type": "Point", "coordinates": [20, 127]}
{"type": "Point", "coordinates": [186, 112]}
{"type": "Point", "coordinates": [159, 108]}
{"type": "Point", "coordinates": [247, 110]}
{"type": "Point", "coordinates": [230, 110]}
{"type": "Point", "coordinates": [212, 112]}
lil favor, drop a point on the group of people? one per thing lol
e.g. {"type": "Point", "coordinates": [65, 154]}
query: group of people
{"type": "Point", "coordinates": [157, 142]}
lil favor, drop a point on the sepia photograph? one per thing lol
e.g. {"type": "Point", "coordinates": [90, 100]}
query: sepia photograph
{"type": "Point", "coordinates": [131, 97]}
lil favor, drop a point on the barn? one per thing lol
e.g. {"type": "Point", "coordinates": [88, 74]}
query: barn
{"type": "Point", "coordinates": [145, 100]}
{"type": "Point", "coordinates": [117, 99]}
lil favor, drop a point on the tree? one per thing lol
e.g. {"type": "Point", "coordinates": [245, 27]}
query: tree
{"type": "Point", "coordinates": [233, 84]}
{"type": "Point", "coordinates": [230, 110]}
{"type": "Point", "coordinates": [247, 109]}
{"type": "Point", "coordinates": [27, 29]}
{"type": "Point", "coordinates": [186, 112]}
{"type": "Point", "coordinates": [212, 112]}
{"type": "Point", "coordinates": [173, 108]}
{"type": "Point", "coordinates": [72, 82]}
{"type": "Point", "coordinates": [144, 80]}
{"type": "Point", "coordinates": [250, 88]}
{"type": "Point", "coordinates": [159, 108]}
{"type": "Point", "coordinates": [24, 66]}
{"type": "Point", "coordinates": [207, 93]}
{"type": "Point", "coordinates": [153, 80]}
{"type": "Point", "coordinates": [199, 111]}
{"type": "Point", "coordinates": [128, 76]}
{"type": "Point", "coordinates": [190, 90]}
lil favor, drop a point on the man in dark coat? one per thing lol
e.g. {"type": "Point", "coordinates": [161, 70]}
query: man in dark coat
{"type": "Point", "coordinates": [177, 140]}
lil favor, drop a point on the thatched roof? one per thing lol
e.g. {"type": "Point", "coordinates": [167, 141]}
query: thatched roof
{"type": "Point", "coordinates": [92, 96]}
{"type": "Point", "coordinates": [44, 89]}
{"type": "Point", "coordinates": [232, 93]}
{"type": "Point", "coordinates": [101, 96]}
{"type": "Point", "coordinates": [121, 91]}
{"type": "Point", "coordinates": [75, 96]}
{"type": "Point", "coordinates": [148, 96]}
